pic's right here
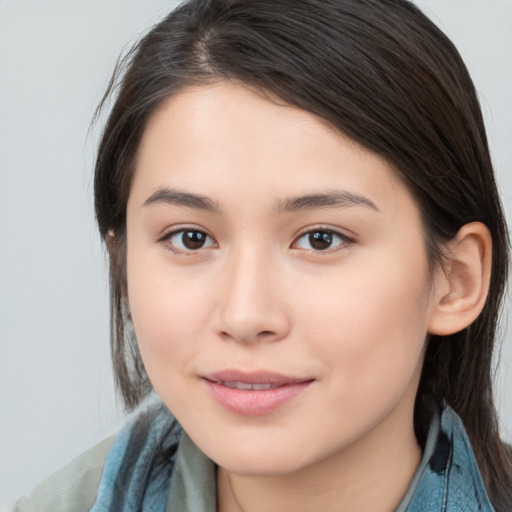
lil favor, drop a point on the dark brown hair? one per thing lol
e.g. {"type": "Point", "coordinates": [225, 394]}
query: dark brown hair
{"type": "Point", "coordinates": [380, 72]}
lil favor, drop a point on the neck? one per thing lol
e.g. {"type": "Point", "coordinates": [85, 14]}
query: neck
{"type": "Point", "coordinates": [373, 473]}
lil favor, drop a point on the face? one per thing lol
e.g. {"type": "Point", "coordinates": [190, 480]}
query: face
{"type": "Point", "coordinates": [277, 281]}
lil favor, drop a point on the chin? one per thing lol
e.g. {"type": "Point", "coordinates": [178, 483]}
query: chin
{"type": "Point", "coordinates": [259, 467]}
{"type": "Point", "coordinates": [262, 460]}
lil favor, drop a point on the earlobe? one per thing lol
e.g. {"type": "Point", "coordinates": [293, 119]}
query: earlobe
{"type": "Point", "coordinates": [464, 282]}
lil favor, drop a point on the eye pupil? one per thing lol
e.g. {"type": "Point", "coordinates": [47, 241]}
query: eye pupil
{"type": "Point", "coordinates": [193, 239]}
{"type": "Point", "coordinates": [320, 240]}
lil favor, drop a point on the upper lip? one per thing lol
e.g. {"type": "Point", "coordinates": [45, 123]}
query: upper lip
{"type": "Point", "coordinates": [254, 377]}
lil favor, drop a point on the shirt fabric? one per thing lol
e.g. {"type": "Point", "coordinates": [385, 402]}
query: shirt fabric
{"type": "Point", "coordinates": [135, 471]}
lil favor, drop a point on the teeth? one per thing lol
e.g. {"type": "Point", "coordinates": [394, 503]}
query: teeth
{"type": "Point", "coordinates": [245, 385]}
{"type": "Point", "coordinates": [258, 387]}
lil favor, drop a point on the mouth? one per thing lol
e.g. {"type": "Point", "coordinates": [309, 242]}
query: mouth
{"type": "Point", "coordinates": [235, 378]}
{"type": "Point", "coordinates": [254, 393]}
{"type": "Point", "coordinates": [246, 385]}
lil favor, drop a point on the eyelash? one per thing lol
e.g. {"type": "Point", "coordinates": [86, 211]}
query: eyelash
{"type": "Point", "coordinates": [344, 240]}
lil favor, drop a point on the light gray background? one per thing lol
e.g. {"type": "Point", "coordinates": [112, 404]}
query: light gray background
{"type": "Point", "coordinates": [56, 392]}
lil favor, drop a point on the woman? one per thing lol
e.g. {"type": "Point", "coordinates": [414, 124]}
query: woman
{"type": "Point", "coordinates": [308, 257]}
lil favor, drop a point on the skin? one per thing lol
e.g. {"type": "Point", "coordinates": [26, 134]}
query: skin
{"type": "Point", "coordinates": [257, 295]}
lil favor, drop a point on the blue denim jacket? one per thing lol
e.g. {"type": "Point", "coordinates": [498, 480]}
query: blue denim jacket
{"type": "Point", "coordinates": [448, 479]}
{"type": "Point", "coordinates": [134, 479]}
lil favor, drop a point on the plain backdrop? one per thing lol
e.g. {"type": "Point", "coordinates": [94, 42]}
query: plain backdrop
{"type": "Point", "coordinates": [56, 390]}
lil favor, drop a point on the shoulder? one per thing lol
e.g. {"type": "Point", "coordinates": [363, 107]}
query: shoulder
{"type": "Point", "coordinates": [72, 488]}
{"type": "Point", "coordinates": [134, 466]}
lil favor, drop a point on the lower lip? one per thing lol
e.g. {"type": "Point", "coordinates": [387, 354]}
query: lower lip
{"type": "Point", "coordinates": [248, 402]}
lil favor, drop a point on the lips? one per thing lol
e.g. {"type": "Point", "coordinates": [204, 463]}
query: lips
{"type": "Point", "coordinates": [254, 393]}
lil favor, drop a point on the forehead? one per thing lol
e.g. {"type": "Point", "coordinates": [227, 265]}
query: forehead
{"type": "Point", "coordinates": [229, 142]}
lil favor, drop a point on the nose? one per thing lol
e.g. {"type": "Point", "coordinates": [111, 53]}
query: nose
{"type": "Point", "coordinates": [251, 306]}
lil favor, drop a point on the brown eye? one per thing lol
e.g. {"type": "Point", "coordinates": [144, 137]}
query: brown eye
{"type": "Point", "coordinates": [193, 239]}
{"type": "Point", "coordinates": [322, 240]}
{"type": "Point", "coordinates": [187, 240]}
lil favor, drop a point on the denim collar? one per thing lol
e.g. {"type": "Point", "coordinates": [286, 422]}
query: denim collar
{"type": "Point", "coordinates": [448, 480]}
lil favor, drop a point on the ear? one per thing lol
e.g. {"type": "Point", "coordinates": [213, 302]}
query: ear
{"type": "Point", "coordinates": [461, 287]}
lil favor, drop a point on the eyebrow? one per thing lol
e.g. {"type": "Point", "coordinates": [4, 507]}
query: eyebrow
{"type": "Point", "coordinates": [331, 198]}
{"type": "Point", "coordinates": [179, 198]}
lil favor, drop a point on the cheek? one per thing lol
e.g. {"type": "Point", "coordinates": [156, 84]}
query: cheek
{"type": "Point", "coordinates": [370, 327]}
{"type": "Point", "coordinates": [169, 309]}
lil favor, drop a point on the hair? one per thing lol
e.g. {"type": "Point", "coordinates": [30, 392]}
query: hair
{"type": "Point", "coordinates": [380, 72]}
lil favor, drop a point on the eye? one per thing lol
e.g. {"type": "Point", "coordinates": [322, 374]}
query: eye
{"type": "Point", "coordinates": [321, 240]}
{"type": "Point", "coordinates": [187, 240]}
